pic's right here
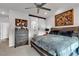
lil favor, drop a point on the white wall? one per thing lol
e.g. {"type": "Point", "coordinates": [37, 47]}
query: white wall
{"type": "Point", "coordinates": [12, 16]}
{"type": "Point", "coordinates": [51, 19]}
{"type": "Point", "coordinates": [4, 19]}
{"type": "Point", "coordinates": [36, 23]}
{"type": "Point", "coordinates": [41, 26]}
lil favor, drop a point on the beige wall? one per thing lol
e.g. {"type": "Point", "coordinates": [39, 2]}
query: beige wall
{"type": "Point", "coordinates": [51, 19]}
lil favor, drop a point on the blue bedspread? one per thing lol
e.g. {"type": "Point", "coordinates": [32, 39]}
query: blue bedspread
{"type": "Point", "coordinates": [57, 44]}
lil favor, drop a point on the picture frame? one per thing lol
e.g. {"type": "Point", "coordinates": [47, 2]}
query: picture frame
{"type": "Point", "coordinates": [20, 23]}
{"type": "Point", "coordinates": [65, 18]}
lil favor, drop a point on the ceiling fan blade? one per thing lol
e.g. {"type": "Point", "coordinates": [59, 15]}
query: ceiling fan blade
{"type": "Point", "coordinates": [30, 8]}
{"type": "Point", "coordinates": [45, 8]}
{"type": "Point", "coordinates": [42, 4]}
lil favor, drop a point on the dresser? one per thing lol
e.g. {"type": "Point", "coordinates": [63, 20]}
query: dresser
{"type": "Point", "coordinates": [21, 37]}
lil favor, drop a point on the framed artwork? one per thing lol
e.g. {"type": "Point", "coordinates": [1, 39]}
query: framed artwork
{"type": "Point", "coordinates": [65, 18]}
{"type": "Point", "coordinates": [20, 23]}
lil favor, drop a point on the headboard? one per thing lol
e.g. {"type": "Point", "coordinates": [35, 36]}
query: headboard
{"type": "Point", "coordinates": [68, 31]}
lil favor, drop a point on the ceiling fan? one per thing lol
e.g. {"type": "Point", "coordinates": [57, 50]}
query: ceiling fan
{"type": "Point", "coordinates": [39, 6]}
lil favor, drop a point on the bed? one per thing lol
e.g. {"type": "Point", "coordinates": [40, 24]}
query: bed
{"type": "Point", "coordinates": [55, 45]}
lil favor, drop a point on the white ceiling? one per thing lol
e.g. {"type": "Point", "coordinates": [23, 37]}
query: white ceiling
{"type": "Point", "coordinates": [21, 7]}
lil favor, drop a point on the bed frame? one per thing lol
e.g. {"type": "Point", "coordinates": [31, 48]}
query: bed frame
{"type": "Point", "coordinates": [41, 51]}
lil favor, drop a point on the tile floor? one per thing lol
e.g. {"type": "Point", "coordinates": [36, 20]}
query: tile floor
{"type": "Point", "coordinates": [19, 51]}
